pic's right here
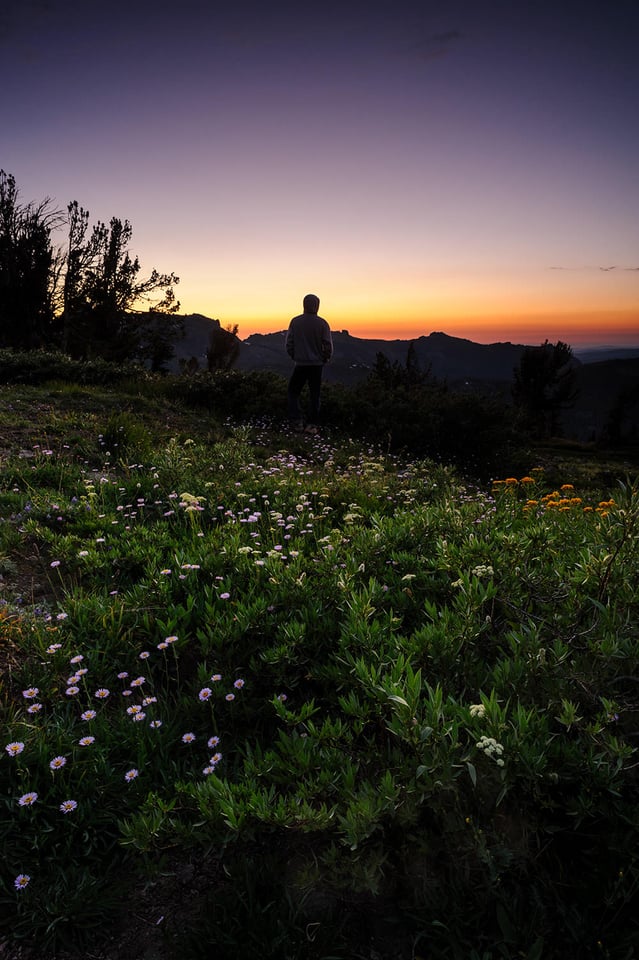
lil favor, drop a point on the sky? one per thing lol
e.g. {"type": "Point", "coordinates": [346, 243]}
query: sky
{"type": "Point", "coordinates": [465, 166]}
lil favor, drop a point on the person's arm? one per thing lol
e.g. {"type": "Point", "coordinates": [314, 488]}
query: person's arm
{"type": "Point", "coordinates": [289, 343]}
{"type": "Point", "coordinates": [327, 344]}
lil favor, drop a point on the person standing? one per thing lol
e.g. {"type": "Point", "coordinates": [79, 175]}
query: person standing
{"type": "Point", "coordinates": [310, 345]}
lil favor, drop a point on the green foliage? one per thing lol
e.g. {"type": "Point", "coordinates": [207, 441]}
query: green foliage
{"type": "Point", "coordinates": [389, 710]}
{"type": "Point", "coordinates": [233, 393]}
{"type": "Point", "coordinates": [44, 366]}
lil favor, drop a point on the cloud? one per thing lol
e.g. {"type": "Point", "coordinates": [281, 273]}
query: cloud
{"type": "Point", "coordinates": [600, 269]}
{"type": "Point", "coordinates": [434, 45]}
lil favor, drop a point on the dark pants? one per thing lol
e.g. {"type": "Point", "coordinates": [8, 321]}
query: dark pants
{"type": "Point", "coordinates": [305, 374]}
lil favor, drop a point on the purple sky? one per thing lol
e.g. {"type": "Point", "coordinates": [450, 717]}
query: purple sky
{"type": "Point", "coordinates": [466, 166]}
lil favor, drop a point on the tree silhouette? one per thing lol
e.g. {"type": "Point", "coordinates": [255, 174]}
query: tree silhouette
{"type": "Point", "coordinates": [544, 385]}
{"type": "Point", "coordinates": [224, 346]}
{"type": "Point", "coordinates": [102, 289]}
{"type": "Point", "coordinates": [28, 269]}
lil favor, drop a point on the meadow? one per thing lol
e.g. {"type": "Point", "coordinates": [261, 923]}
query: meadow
{"type": "Point", "coordinates": [268, 695]}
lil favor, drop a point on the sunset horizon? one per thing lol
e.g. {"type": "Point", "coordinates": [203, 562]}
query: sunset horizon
{"type": "Point", "coordinates": [580, 330]}
{"type": "Point", "coordinates": [463, 167]}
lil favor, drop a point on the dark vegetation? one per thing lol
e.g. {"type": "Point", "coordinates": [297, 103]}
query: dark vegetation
{"type": "Point", "coordinates": [398, 408]}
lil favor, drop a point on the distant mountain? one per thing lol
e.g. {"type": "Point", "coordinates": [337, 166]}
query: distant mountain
{"type": "Point", "coordinates": [445, 358]}
{"type": "Point", "coordinates": [598, 354]}
{"type": "Point", "coordinates": [448, 358]}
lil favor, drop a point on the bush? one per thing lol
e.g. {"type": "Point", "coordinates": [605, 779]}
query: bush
{"type": "Point", "coordinates": [40, 366]}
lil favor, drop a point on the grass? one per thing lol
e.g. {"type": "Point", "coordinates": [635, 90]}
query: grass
{"type": "Point", "coordinates": [366, 707]}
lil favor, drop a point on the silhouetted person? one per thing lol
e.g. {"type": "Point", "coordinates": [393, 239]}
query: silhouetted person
{"type": "Point", "coordinates": [310, 345]}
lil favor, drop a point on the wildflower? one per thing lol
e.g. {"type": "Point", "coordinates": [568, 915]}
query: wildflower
{"type": "Point", "coordinates": [88, 715]}
{"type": "Point", "coordinates": [14, 748]}
{"type": "Point", "coordinates": [213, 742]}
{"type": "Point", "coordinates": [477, 710]}
{"type": "Point", "coordinates": [62, 616]}
{"type": "Point", "coordinates": [34, 708]}
{"type": "Point", "coordinates": [71, 691]}
{"type": "Point", "coordinates": [57, 763]}
{"type": "Point", "coordinates": [138, 717]}
{"type": "Point", "coordinates": [22, 881]}
{"type": "Point", "coordinates": [27, 799]}
{"type": "Point", "coordinates": [483, 570]}
{"type": "Point", "coordinates": [54, 563]}
{"type": "Point", "coordinates": [215, 758]}
{"type": "Point", "coordinates": [492, 749]}
{"type": "Point", "coordinates": [229, 697]}
{"type": "Point", "coordinates": [171, 639]}
{"type": "Point", "coordinates": [144, 655]}
{"type": "Point", "coordinates": [68, 806]}
{"type": "Point", "coordinates": [149, 700]}
{"type": "Point", "coordinates": [188, 737]}
{"type": "Point", "coordinates": [135, 708]}
{"type": "Point", "coordinates": [238, 684]}
{"type": "Point", "coordinates": [224, 596]}
{"type": "Point", "coordinates": [77, 659]}
{"type": "Point", "coordinates": [205, 693]}
{"type": "Point", "coordinates": [163, 645]}
{"type": "Point", "coordinates": [207, 771]}
{"type": "Point", "coordinates": [155, 724]}
{"type": "Point", "coordinates": [53, 647]}
{"type": "Point", "coordinates": [138, 682]}
{"type": "Point", "coordinates": [130, 775]}
{"type": "Point", "coordinates": [30, 693]}
{"type": "Point", "coordinates": [86, 741]}
{"type": "Point", "coordinates": [165, 573]}
{"type": "Point", "coordinates": [102, 693]}
{"type": "Point", "coordinates": [216, 677]}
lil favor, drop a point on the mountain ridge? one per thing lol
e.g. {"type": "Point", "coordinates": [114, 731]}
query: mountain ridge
{"type": "Point", "coordinates": [454, 359]}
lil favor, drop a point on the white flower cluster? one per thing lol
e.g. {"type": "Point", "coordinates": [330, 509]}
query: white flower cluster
{"type": "Point", "coordinates": [477, 710]}
{"type": "Point", "coordinates": [492, 749]}
{"type": "Point", "coordinates": [483, 570]}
